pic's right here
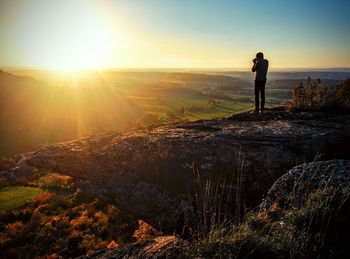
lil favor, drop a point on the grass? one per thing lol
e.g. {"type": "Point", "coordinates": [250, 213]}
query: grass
{"type": "Point", "coordinates": [215, 218]}
{"type": "Point", "coordinates": [310, 222]}
{"type": "Point", "coordinates": [15, 196]}
{"type": "Point", "coordinates": [195, 106]}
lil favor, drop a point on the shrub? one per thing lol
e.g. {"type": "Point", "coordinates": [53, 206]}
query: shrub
{"type": "Point", "coordinates": [81, 223]}
{"type": "Point", "coordinates": [56, 182]}
{"type": "Point", "coordinates": [144, 231]}
{"type": "Point", "coordinates": [316, 96]}
{"type": "Point", "coordinates": [53, 226]}
{"type": "Point", "coordinates": [112, 245]}
{"type": "Point", "coordinates": [43, 198]}
{"type": "Point", "coordinates": [15, 229]}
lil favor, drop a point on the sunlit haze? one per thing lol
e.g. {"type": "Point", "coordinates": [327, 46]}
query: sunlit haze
{"type": "Point", "coordinates": [173, 34]}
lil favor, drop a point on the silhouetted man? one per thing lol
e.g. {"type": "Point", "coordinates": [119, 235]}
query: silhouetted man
{"type": "Point", "coordinates": [260, 67]}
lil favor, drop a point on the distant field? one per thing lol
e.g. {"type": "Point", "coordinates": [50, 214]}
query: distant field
{"type": "Point", "coordinates": [193, 107]}
{"type": "Point", "coordinates": [15, 196]}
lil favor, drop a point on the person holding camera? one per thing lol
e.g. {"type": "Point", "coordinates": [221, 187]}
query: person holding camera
{"type": "Point", "coordinates": [260, 67]}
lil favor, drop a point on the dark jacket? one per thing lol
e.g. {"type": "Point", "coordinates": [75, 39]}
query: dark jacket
{"type": "Point", "coordinates": [260, 67]}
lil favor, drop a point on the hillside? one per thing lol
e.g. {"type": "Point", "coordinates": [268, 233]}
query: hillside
{"type": "Point", "coordinates": [192, 179]}
{"type": "Point", "coordinates": [40, 107]}
{"type": "Point", "coordinates": [54, 107]}
{"type": "Point", "coordinates": [203, 181]}
{"type": "Point", "coordinates": [152, 172]}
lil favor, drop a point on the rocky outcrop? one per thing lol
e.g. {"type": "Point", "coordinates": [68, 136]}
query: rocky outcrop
{"type": "Point", "coordinates": [150, 172]}
{"type": "Point", "coordinates": [288, 194]}
{"type": "Point", "coordinates": [294, 187]}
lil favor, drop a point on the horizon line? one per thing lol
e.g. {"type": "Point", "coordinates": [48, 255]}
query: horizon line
{"type": "Point", "coordinates": [235, 69]}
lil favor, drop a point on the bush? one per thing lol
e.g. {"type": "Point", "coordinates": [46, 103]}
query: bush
{"type": "Point", "coordinates": [144, 231]}
{"type": "Point", "coordinates": [317, 96]}
{"type": "Point", "coordinates": [56, 182]}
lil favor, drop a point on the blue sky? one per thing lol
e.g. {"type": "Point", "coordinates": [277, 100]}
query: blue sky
{"type": "Point", "coordinates": [196, 33]}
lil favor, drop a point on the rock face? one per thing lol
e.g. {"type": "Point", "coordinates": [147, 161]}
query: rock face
{"type": "Point", "coordinates": [149, 172]}
{"type": "Point", "coordinates": [291, 188]}
{"type": "Point", "coordinates": [294, 186]}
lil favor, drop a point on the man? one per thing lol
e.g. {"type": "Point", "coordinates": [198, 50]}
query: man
{"type": "Point", "coordinates": [260, 67]}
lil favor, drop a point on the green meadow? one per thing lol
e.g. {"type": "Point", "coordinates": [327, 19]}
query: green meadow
{"type": "Point", "coordinates": [15, 196]}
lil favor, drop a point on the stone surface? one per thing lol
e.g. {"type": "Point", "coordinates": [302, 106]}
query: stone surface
{"type": "Point", "coordinates": [293, 187]}
{"type": "Point", "coordinates": [298, 183]}
{"type": "Point", "coordinates": [149, 172]}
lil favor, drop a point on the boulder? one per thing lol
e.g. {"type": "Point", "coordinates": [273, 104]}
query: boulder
{"type": "Point", "coordinates": [293, 188]}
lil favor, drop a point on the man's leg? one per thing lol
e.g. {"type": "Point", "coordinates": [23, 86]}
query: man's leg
{"type": "Point", "coordinates": [256, 91]}
{"type": "Point", "coordinates": [262, 92]}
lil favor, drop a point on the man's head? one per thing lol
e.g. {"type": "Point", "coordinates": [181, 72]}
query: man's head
{"type": "Point", "coordinates": [259, 55]}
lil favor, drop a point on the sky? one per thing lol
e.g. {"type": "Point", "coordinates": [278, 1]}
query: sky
{"type": "Point", "coordinates": [67, 34]}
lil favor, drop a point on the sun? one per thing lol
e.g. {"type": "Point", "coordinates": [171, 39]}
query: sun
{"type": "Point", "coordinates": [84, 44]}
{"type": "Point", "coordinates": [86, 47]}
{"type": "Point", "coordinates": [66, 36]}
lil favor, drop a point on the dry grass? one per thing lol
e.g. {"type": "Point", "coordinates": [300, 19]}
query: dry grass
{"type": "Point", "coordinates": [215, 216]}
{"type": "Point", "coordinates": [310, 223]}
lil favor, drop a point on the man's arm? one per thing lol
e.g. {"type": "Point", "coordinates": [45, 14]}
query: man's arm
{"type": "Point", "coordinates": [255, 66]}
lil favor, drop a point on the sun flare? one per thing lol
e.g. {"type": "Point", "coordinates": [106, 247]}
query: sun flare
{"type": "Point", "coordinates": [87, 47]}
{"type": "Point", "coordinates": [74, 36]}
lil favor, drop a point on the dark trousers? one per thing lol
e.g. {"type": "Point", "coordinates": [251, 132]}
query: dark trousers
{"type": "Point", "coordinates": [259, 88]}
